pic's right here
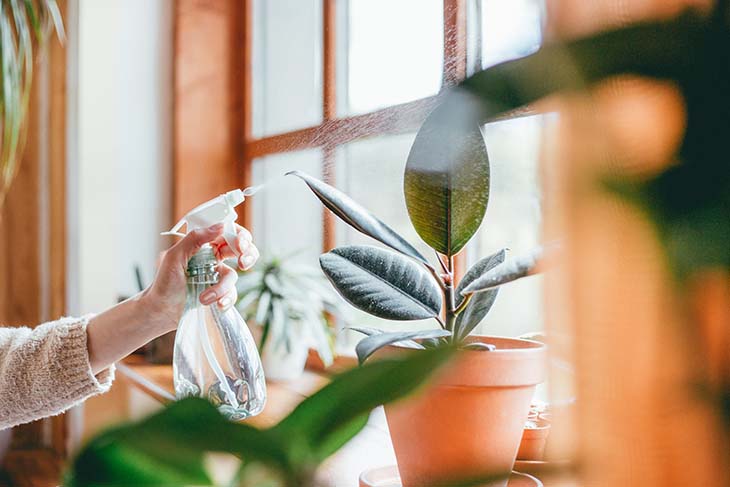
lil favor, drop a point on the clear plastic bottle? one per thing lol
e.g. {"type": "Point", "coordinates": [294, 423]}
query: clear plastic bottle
{"type": "Point", "coordinates": [215, 356]}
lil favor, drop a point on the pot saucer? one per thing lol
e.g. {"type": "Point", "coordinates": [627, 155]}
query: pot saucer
{"type": "Point", "coordinates": [388, 477]}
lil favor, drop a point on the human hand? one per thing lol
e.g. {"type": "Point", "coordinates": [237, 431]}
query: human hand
{"type": "Point", "coordinates": [165, 298]}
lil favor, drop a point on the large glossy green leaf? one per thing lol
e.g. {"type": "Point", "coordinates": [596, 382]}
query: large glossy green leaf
{"type": "Point", "coordinates": [167, 449]}
{"type": "Point", "coordinates": [480, 304]}
{"type": "Point", "coordinates": [507, 272]}
{"type": "Point", "coordinates": [382, 283]}
{"type": "Point", "coordinates": [368, 346]}
{"type": "Point", "coordinates": [358, 217]}
{"type": "Point", "coordinates": [326, 419]}
{"type": "Point", "coordinates": [446, 180]}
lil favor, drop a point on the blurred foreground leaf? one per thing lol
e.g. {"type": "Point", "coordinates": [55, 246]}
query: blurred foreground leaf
{"type": "Point", "coordinates": [169, 448]}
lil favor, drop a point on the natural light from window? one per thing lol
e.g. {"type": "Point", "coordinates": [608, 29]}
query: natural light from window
{"type": "Point", "coordinates": [395, 52]}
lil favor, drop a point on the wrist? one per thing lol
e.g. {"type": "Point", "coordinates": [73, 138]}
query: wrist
{"type": "Point", "coordinates": [158, 317]}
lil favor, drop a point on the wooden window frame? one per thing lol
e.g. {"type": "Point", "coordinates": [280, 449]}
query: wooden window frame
{"type": "Point", "coordinates": [395, 119]}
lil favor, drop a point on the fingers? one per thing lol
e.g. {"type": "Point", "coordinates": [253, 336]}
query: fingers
{"type": "Point", "coordinates": [191, 243]}
{"type": "Point", "coordinates": [243, 242]}
{"type": "Point", "coordinates": [248, 258]}
{"type": "Point", "coordinates": [247, 254]}
{"type": "Point", "coordinates": [227, 278]}
{"type": "Point", "coordinates": [226, 302]}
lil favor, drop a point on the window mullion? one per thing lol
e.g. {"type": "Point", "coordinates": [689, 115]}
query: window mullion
{"type": "Point", "coordinates": [455, 69]}
{"type": "Point", "coordinates": [454, 41]}
{"type": "Point", "coordinates": [329, 109]}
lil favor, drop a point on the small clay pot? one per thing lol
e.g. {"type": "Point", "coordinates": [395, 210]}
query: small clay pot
{"type": "Point", "coordinates": [534, 440]}
{"type": "Point", "coordinates": [470, 420]}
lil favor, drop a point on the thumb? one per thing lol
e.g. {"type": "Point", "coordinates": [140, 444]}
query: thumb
{"type": "Point", "coordinates": [191, 243]}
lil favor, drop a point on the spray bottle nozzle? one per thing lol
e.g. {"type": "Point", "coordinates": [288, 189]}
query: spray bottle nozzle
{"type": "Point", "coordinates": [220, 209]}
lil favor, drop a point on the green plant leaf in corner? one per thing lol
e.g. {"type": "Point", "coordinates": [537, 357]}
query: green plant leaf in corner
{"type": "Point", "coordinates": [352, 213]}
{"type": "Point", "coordinates": [481, 303]}
{"type": "Point", "coordinates": [446, 180]}
{"type": "Point", "coordinates": [367, 346]}
{"type": "Point", "coordinates": [327, 418]}
{"type": "Point", "coordinates": [168, 449]}
{"type": "Point", "coordinates": [382, 283]}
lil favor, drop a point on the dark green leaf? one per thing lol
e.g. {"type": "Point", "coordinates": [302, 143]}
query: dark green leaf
{"type": "Point", "coordinates": [367, 346]}
{"type": "Point", "coordinates": [504, 273]}
{"type": "Point", "coordinates": [372, 331]}
{"type": "Point", "coordinates": [358, 217]}
{"type": "Point", "coordinates": [433, 342]}
{"type": "Point", "coordinates": [447, 178]}
{"type": "Point", "coordinates": [382, 283]}
{"type": "Point", "coordinates": [481, 303]}
{"type": "Point", "coordinates": [168, 449]}
{"type": "Point", "coordinates": [328, 419]}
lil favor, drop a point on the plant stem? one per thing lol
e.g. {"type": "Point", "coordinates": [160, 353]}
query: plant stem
{"type": "Point", "coordinates": [463, 304]}
{"type": "Point", "coordinates": [441, 262]}
{"type": "Point", "coordinates": [449, 294]}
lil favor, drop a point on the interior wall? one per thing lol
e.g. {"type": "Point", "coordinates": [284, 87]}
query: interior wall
{"type": "Point", "coordinates": [120, 174]}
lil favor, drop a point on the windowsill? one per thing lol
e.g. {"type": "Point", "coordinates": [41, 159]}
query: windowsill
{"type": "Point", "coordinates": [156, 382]}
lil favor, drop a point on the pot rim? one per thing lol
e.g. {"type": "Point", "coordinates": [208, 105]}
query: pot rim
{"type": "Point", "coordinates": [486, 339]}
{"type": "Point", "coordinates": [515, 366]}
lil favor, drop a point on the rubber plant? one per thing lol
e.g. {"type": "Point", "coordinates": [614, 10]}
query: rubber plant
{"type": "Point", "coordinates": [24, 25]}
{"type": "Point", "coordinates": [446, 191]}
{"type": "Point", "coordinates": [170, 448]}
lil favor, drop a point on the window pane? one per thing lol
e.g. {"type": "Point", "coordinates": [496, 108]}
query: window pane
{"type": "Point", "coordinates": [510, 29]}
{"type": "Point", "coordinates": [371, 172]}
{"type": "Point", "coordinates": [287, 65]}
{"type": "Point", "coordinates": [513, 220]}
{"type": "Point", "coordinates": [287, 218]}
{"type": "Point", "coordinates": [394, 52]}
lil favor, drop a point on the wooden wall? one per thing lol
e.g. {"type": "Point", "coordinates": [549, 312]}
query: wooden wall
{"type": "Point", "coordinates": [33, 223]}
{"type": "Point", "coordinates": [208, 100]}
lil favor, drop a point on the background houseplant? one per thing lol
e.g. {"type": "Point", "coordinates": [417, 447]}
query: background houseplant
{"type": "Point", "coordinates": [295, 309]}
{"type": "Point", "coordinates": [24, 24]}
{"type": "Point", "coordinates": [487, 393]}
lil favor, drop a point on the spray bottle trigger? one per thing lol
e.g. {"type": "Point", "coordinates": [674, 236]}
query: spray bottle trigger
{"type": "Point", "coordinates": [231, 236]}
{"type": "Point", "coordinates": [176, 229]}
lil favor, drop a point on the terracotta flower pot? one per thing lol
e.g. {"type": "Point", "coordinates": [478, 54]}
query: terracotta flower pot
{"type": "Point", "coordinates": [470, 420]}
{"type": "Point", "coordinates": [534, 440]}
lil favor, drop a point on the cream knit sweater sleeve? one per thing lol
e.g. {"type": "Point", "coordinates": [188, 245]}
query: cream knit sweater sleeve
{"type": "Point", "coordinates": [46, 370]}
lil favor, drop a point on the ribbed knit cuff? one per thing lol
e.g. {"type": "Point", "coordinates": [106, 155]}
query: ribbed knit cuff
{"type": "Point", "coordinates": [46, 370]}
{"type": "Point", "coordinates": [73, 360]}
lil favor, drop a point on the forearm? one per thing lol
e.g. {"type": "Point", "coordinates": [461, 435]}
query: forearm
{"type": "Point", "coordinates": [122, 329]}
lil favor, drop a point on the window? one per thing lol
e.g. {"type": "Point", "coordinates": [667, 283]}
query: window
{"type": "Point", "coordinates": [342, 95]}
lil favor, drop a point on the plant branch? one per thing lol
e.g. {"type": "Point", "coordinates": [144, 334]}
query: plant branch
{"type": "Point", "coordinates": [449, 294]}
{"type": "Point", "coordinates": [443, 266]}
{"type": "Point", "coordinates": [463, 304]}
{"type": "Point", "coordinates": [436, 276]}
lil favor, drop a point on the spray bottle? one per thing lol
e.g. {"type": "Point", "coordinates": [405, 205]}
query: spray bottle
{"type": "Point", "coordinates": [215, 356]}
